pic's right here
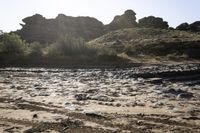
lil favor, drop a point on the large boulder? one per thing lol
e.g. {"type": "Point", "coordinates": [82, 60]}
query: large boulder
{"type": "Point", "coordinates": [38, 28]}
{"type": "Point", "coordinates": [127, 20]}
{"type": "Point", "coordinates": [153, 22]}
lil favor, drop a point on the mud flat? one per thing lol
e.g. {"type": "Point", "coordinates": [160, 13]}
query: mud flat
{"type": "Point", "coordinates": [157, 99]}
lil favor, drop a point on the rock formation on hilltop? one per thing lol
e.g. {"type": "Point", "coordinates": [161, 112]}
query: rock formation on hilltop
{"type": "Point", "coordinates": [153, 22]}
{"type": "Point", "coordinates": [37, 28]}
{"type": "Point", "coordinates": [194, 27]}
{"type": "Point", "coordinates": [183, 26]}
{"type": "Point", "coordinates": [127, 20]}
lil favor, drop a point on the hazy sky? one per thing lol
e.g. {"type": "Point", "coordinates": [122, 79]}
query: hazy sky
{"type": "Point", "coordinates": [173, 11]}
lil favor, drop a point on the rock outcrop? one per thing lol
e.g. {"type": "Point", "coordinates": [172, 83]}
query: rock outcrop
{"type": "Point", "coordinates": [127, 20]}
{"type": "Point", "coordinates": [194, 27]}
{"type": "Point", "coordinates": [153, 22]}
{"type": "Point", "coordinates": [37, 28]}
{"type": "Point", "coordinates": [183, 26]}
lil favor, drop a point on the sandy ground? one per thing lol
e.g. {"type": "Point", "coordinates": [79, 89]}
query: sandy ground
{"type": "Point", "coordinates": [147, 99]}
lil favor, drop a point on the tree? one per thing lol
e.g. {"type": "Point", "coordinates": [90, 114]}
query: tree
{"type": "Point", "coordinates": [153, 22]}
{"type": "Point", "coordinates": [68, 46]}
{"type": "Point", "coordinates": [11, 44]}
{"type": "Point", "coordinates": [35, 49]}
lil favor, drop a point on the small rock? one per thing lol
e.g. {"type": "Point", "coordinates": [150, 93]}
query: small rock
{"type": "Point", "coordinates": [157, 105]}
{"type": "Point", "coordinates": [155, 81]}
{"type": "Point", "coordinates": [185, 96]}
{"type": "Point", "coordinates": [140, 104]}
{"type": "Point", "coordinates": [174, 91]}
{"type": "Point", "coordinates": [102, 98]}
{"type": "Point", "coordinates": [44, 94]}
{"type": "Point", "coordinates": [94, 114]}
{"type": "Point", "coordinates": [118, 105]}
{"type": "Point", "coordinates": [35, 116]}
{"type": "Point", "coordinates": [19, 88]}
{"type": "Point", "coordinates": [92, 91]}
{"type": "Point", "coordinates": [12, 87]}
{"type": "Point", "coordinates": [80, 97]}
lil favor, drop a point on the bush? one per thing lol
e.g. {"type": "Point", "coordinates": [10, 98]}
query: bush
{"type": "Point", "coordinates": [69, 46]}
{"type": "Point", "coordinates": [128, 49]}
{"type": "Point", "coordinates": [35, 49]}
{"type": "Point", "coordinates": [12, 44]}
{"type": "Point", "coordinates": [104, 51]}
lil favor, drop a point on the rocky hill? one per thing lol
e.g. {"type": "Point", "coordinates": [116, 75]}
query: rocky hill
{"type": "Point", "coordinates": [151, 42]}
{"type": "Point", "coordinates": [38, 28]}
{"type": "Point", "coordinates": [150, 36]}
{"type": "Point", "coordinates": [193, 27]}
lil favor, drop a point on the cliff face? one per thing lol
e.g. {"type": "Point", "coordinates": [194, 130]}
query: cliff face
{"type": "Point", "coordinates": [37, 28]}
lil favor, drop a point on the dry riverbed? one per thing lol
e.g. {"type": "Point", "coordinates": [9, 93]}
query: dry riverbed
{"type": "Point", "coordinates": [142, 99]}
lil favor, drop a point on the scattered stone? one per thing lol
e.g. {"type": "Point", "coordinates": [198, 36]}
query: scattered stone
{"type": "Point", "coordinates": [101, 103]}
{"type": "Point", "coordinates": [185, 96]}
{"type": "Point", "coordinates": [155, 80]}
{"type": "Point", "coordinates": [92, 91]}
{"type": "Point", "coordinates": [140, 104]}
{"type": "Point", "coordinates": [35, 116]}
{"type": "Point", "coordinates": [44, 94]}
{"type": "Point", "coordinates": [41, 88]}
{"type": "Point", "coordinates": [157, 105]}
{"type": "Point", "coordinates": [94, 114]}
{"type": "Point", "coordinates": [174, 91]}
{"type": "Point", "coordinates": [118, 104]}
{"type": "Point", "coordinates": [102, 98]}
{"type": "Point", "coordinates": [71, 106]}
{"type": "Point", "coordinates": [80, 97]}
{"type": "Point", "coordinates": [19, 88]}
{"type": "Point", "coordinates": [12, 86]}
{"type": "Point", "coordinates": [115, 94]}
{"type": "Point", "coordinates": [192, 118]}
{"type": "Point", "coordinates": [11, 130]}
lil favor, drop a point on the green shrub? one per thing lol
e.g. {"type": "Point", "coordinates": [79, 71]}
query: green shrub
{"type": "Point", "coordinates": [128, 49]}
{"type": "Point", "coordinates": [12, 44]}
{"type": "Point", "coordinates": [69, 46]}
{"type": "Point", "coordinates": [35, 49]}
{"type": "Point", "coordinates": [104, 51]}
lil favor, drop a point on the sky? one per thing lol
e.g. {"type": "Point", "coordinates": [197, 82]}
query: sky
{"type": "Point", "coordinates": [174, 11]}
